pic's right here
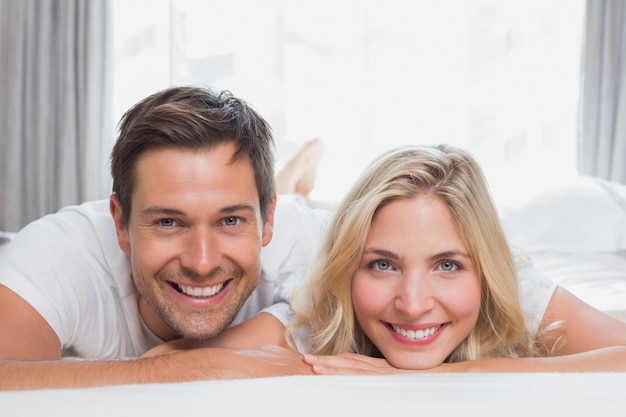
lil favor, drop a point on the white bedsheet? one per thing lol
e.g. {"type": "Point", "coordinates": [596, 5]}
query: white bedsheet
{"type": "Point", "coordinates": [588, 395]}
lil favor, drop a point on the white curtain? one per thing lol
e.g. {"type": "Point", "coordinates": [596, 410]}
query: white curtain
{"type": "Point", "coordinates": [54, 110]}
{"type": "Point", "coordinates": [603, 104]}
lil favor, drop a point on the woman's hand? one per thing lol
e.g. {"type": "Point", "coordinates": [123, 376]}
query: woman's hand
{"type": "Point", "coordinates": [350, 364]}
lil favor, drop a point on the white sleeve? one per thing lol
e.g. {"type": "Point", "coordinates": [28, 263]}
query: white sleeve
{"type": "Point", "coordinates": [286, 260]}
{"type": "Point", "coordinates": [63, 264]}
{"type": "Point", "coordinates": [535, 292]}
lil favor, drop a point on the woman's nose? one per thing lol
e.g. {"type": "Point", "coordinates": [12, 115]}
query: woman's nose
{"type": "Point", "coordinates": [415, 295]}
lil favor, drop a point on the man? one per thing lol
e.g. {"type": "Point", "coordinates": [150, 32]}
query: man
{"type": "Point", "coordinates": [193, 203]}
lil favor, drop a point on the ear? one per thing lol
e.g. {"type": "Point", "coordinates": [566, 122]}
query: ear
{"type": "Point", "coordinates": [268, 227]}
{"type": "Point", "coordinates": [118, 218]}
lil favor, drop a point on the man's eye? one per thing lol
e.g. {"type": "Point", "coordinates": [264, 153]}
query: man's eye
{"type": "Point", "coordinates": [231, 221]}
{"type": "Point", "coordinates": [166, 222]}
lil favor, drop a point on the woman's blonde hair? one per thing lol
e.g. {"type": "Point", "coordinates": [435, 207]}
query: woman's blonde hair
{"type": "Point", "coordinates": [324, 304]}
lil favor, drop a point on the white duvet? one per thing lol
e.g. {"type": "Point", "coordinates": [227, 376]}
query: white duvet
{"type": "Point", "coordinates": [576, 234]}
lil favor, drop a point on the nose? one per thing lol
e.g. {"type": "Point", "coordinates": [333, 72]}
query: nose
{"type": "Point", "coordinates": [201, 253]}
{"type": "Point", "coordinates": [415, 295]}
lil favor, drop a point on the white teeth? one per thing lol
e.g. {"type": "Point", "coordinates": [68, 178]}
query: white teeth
{"type": "Point", "coordinates": [200, 292]}
{"type": "Point", "coordinates": [415, 334]}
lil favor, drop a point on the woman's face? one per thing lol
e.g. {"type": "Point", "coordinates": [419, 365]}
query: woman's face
{"type": "Point", "coordinates": [416, 292]}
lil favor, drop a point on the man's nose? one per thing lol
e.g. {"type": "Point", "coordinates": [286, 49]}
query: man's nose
{"type": "Point", "coordinates": [202, 253]}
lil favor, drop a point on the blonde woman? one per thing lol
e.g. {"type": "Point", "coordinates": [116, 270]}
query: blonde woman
{"type": "Point", "coordinates": [415, 273]}
{"type": "Point", "coordinates": [415, 269]}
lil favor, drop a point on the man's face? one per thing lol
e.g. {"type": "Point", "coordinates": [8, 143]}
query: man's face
{"type": "Point", "coordinates": [194, 237]}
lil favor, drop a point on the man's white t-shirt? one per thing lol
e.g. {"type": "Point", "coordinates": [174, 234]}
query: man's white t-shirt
{"type": "Point", "coordinates": [69, 267]}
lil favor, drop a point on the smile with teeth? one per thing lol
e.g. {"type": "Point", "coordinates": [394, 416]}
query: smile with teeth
{"type": "Point", "coordinates": [415, 334]}
{"type": "Point", "coordinates": [200, 292]}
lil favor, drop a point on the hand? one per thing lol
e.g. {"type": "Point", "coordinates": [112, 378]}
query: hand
{"type": "Point", "coordinates": [274, 361]}
{"type": "Point", "coordinates": [350, 364]}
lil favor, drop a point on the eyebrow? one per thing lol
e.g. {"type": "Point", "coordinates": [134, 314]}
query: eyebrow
{"type": "Point", "coordinates": [381, 252]}
{"type": "Point", "coordinates": [168, 211]}
{"type": "Point", "coordinates": [442, 255]}
{"type": "Point", "coordinates": [151, 211]}
{"type": "Point", "coordinates": [450, 254]}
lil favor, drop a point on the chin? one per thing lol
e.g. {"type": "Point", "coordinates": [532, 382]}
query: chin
{"type": "Point", "coordinates": [414, 364]}
{"type": "Point", "coordinates": [197, 328]}
{"type": "Point", "coordinates": [195, 334]}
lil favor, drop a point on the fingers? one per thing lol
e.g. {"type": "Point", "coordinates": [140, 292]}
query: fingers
{"type": "Point", "coordinates": [347, 364]}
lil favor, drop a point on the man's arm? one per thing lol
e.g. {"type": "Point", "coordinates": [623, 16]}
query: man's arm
{"type": "Point", "coordinates": [31, 358]}
{"type": "Point", "coordinates": [24, 333]}
{"type": "Point", "coordinates": [261, 330]}
{"type": "Point", "coordinates": [190, 365]}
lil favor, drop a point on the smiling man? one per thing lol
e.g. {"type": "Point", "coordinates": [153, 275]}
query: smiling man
{"type": "Point", "coordinates": [194, 255]}
{"type": "Point", "coordinates": [192, 241]}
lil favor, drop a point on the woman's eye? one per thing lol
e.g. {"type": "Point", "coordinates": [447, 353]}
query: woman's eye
{"type": "Point", "coordinates": [231, 221]}
{"type": "Point", "coordinates": [382, 265]}
{"type": "Point", "coordinates": [448, 266]}
{"type": "Point", "coordinates": [166, 222]}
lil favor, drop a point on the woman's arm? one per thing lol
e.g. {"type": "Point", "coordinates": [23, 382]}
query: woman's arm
{"type": "Point", "coordinates": [611, 359]}
{"type": "Point", "coordinates": [589, 341]}
{"type": "Point", "coordinates": [582, 329]}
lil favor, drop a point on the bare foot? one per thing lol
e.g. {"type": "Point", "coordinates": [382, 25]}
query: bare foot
{"type": "Point", "coordinates": [298, 175]}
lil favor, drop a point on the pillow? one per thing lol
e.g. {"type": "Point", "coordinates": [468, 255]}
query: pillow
{"type": "Point", "coordinates": [5, 237]}
{"type": "Point", "coordinates": [584, 215]}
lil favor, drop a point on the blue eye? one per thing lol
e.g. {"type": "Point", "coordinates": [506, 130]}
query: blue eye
{"type": "Point", "coordinates": [231, 221]}
{"type": "Point", "coordinates": [166, 222]}
{"type": "Point", "coordinates": [448, 266]}
{"type": "Point", "coordinates": [382, 265]}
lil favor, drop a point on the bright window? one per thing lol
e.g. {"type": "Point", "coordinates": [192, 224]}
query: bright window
{"type": "Point", "coordinates": [499, 78]}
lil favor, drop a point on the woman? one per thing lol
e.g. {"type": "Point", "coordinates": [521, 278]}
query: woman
{"type": "Point", "coordinates": [415, 272]}
{"type": "Point", "coordinates": [432, 280]}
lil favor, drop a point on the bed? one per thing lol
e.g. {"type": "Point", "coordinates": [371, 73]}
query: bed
{"type": "Point", "coordinates": [575, 233]}
{"type": "Point", "coordinates": [454, 395]}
